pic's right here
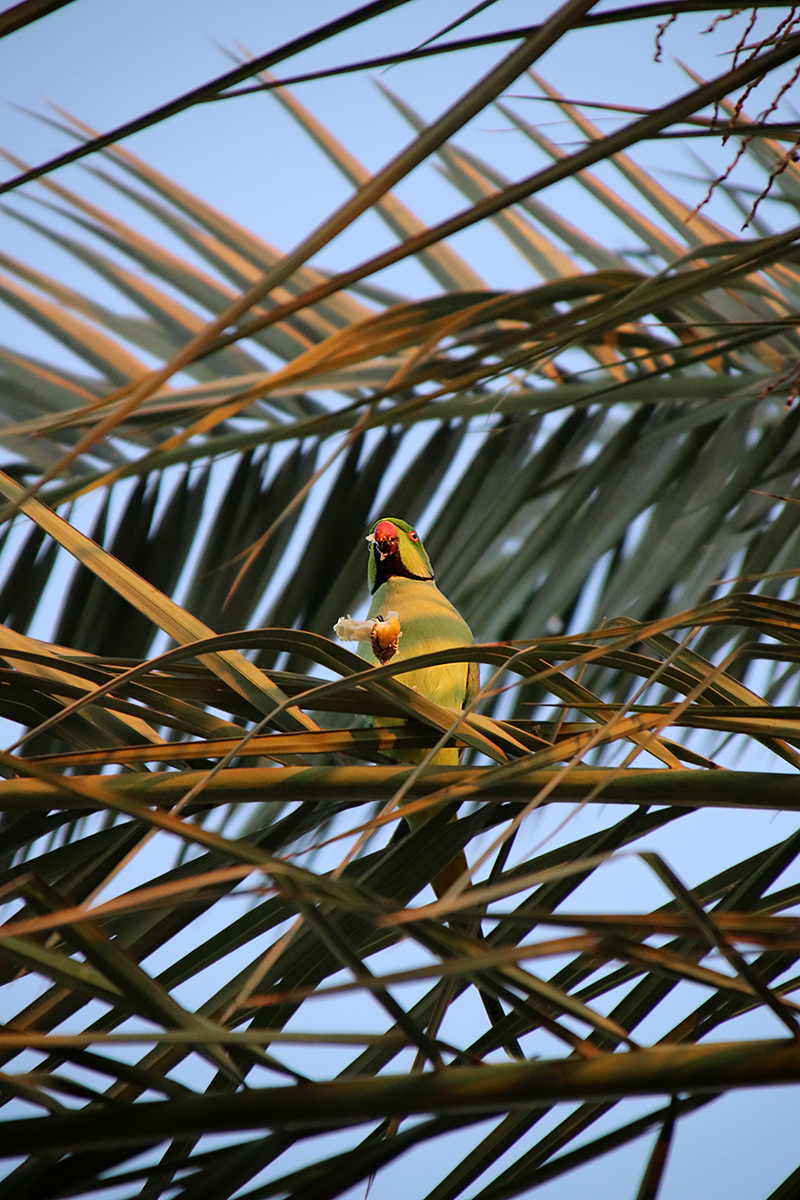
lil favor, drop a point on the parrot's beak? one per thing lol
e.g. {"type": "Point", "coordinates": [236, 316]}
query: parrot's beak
{"type": "Point", "coordinates": [386, 539]}
{"type": "Point", "coordinates": [383, 545]}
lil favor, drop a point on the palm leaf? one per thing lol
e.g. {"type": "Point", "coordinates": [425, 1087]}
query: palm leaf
{"type": "Point", "coordinates": [197, 858]}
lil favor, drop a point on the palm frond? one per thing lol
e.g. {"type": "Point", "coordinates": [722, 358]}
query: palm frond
{"type": "Point", "coordinates": [213, 924]}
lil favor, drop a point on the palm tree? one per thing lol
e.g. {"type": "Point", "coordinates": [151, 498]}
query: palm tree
{"type": "Point", "coordinates": [197, 810]}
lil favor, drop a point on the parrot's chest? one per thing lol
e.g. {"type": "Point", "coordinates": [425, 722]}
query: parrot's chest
{"type": "Point", "coordinates": [429, 623]}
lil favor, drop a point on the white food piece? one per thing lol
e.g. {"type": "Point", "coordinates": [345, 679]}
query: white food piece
{"type": "Point", "coordinates": [349, 630]}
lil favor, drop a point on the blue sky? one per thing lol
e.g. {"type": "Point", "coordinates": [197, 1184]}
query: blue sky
{"type": "Point", "coordinates": [107, 63]}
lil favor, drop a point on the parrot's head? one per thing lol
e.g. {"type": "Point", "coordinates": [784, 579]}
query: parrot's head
{"type": "Point", "coordinates": [395, 550]}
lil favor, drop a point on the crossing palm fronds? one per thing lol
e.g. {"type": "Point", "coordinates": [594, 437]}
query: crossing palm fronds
{"type": "Point", "coordinates": [224, 973]}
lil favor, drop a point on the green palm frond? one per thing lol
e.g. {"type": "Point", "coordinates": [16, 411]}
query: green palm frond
{"type": "Point", "coordinates": [197, 854]}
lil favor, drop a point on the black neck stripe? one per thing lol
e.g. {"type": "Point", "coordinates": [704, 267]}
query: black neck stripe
{"type": "Point", "coordinates": [392, 566]}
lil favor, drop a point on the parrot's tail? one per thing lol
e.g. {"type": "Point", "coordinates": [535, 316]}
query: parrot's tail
{"type": "Point", "coordinates": [470, 924]}
{"type": "Point", "coordinates": [446, 878]}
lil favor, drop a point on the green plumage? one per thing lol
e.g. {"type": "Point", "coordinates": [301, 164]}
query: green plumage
{"type": "Point", "coordinates": [401, 580]}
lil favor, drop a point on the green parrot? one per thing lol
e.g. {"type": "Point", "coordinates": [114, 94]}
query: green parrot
{"type": "Point", "coordinates": [401, 581]}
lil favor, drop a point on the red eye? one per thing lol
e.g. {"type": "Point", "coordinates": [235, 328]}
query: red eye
{"type": "Point", "coordinates": [413, 535]}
